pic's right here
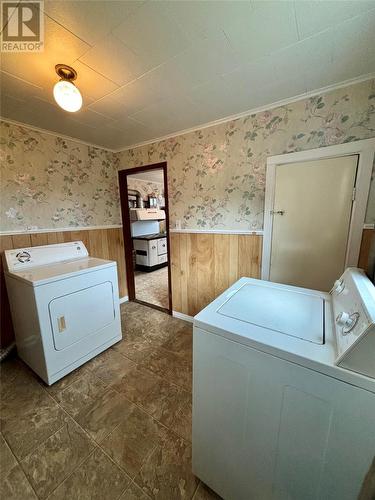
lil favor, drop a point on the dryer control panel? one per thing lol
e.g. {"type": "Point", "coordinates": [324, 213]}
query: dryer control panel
{"type": "Point", "coordinates": [353, 300]}
{"type": "Point", "coordinates": [25, 258]}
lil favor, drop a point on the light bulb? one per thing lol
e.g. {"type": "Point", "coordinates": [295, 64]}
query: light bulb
{"type": "Point", "coordinates": [67, 96]}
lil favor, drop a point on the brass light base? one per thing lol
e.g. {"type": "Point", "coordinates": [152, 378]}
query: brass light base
{"type": "Point", "coordinates": [66, 72]}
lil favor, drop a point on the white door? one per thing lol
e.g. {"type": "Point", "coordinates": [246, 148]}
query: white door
{"type": "Point", "coordinates": [311, 220]}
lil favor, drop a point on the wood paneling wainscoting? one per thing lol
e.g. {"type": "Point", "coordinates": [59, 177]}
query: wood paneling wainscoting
{"type": "Point", "coordinates": [102, 243]}
{"type": "Point", "coordinates": [205, 264]}
{"type": "Point", "coordinates": [367, 252]}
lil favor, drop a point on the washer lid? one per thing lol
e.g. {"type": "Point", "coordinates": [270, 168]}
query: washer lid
{"type": "Point", "coordinates": [295, 313]}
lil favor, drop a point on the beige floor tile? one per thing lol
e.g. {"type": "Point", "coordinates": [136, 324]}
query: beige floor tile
{"type": "Point", "coordinates": [56, 458]}
{"type": "Point", "coordinates": [28, 416]}
{"type": "Point", "coordinates": [15, 486]}
{"type": "Point", "coordinates": [7, 459]}
{"type": "Point", "coordinates": [136, 384]}
{"type": "Point", "coordinates": [136, 350]}
{"type": "Point", "coordinates": [97, 478]}
{"type": "Point", "coordinates": [66, 381]}
{"type": "Point", "coordinates": [134, 492]}
{"type": "Point", "coordinates": [181, 373]}
{"type": "Point", "coordinates": [133, 440]}
{"type": "Point", "coordinates": [182, 341]}
{"type": "Point", "coordinates": [167, 475]}
{"type": "Point", "coordinates": [163, 327]}
{"type": "Point", "coordinates": [81, 393]}
{"type": "Point", "coordinates": [182, 421]}
{"type": "Point", "coordinates": [13, 373]}
{"type": "Point", "coordinates": [205, 493]}
{"type": "Point", "coordinates": [152, 287]}
{"type": "Point", "coordinates": [110, 366]}
{"type": "Point", "coordinates": [164, 401]}
{"type": "Point", "coordinates": [60, 459]}
{"type": "Point", "coordinates": [13, 482]}
{"type": "Point", "coordinates": [138, 320]}
{"type": "Point", "coordinates": [156, 396]}
{"type": "Point", "coordinates": [134, 326]}
{"type": "Point", "coordinates": [103, 415]}
{"type": "Point", "coordinates": [147, 322]}
{"type": "Point", "coordinates": [171, 366]}
{"type": "Point", "coordinates": [17, 381]}
{"type": "Point", "coordinates": [158, 362]}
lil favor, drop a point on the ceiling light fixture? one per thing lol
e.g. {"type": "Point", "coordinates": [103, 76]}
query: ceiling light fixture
{"type": "Point", "coordinates": [66, 94]}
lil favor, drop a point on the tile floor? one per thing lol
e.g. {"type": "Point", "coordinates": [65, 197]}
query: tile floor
{"type": "Point", "coordinates": [152, 287]}
{"type": "Point", "coordinates": [117, 428]}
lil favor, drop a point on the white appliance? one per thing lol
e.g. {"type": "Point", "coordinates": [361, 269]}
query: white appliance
{"type": "Point", "coordinates": [150, 251]}
{"type": "Point", "coordinates": [64, 305]}
{"type": "Point", "coordinates": [144, 227]}
{"type": "Point", "coordinates": [137, 214]}
{"type": "Point", "coordinates": [284, 390]}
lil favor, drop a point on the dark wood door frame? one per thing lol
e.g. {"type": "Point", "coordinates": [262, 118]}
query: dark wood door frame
{"type": "Point", "coordinates": [128, 242]}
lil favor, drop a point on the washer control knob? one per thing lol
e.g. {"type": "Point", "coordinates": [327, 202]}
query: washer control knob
{"type": "Point", "coordinates": [347, 321]}
{"type": "Point", "coordinates": [338, 286]}
{"type": "Point", "coordinates": [344, 319]}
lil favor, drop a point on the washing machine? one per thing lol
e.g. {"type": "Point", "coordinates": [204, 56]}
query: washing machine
{"type": "Point", "coordinates": [284, 390]}
{"type": "Point", "coordinates": [64, 305]}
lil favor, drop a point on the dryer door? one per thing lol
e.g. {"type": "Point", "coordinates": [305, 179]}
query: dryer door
{"type": "Point", "coordinates": [81, 314]}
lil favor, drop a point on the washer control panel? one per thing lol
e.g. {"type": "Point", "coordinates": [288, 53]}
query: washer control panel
{"type": "Point", "coordinates": [353, 299]}
{"type": "Point", "coordinates": [26, 258]}
{"type": "Point", "coordinates": [23, 256]}
{"type": "Point", "coordinates": [338, 286]}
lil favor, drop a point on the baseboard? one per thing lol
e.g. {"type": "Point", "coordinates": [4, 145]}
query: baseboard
{"type": "Point", "coordinates": [183, 316]}
{"type": "Point", "coordinates": [124, 299]}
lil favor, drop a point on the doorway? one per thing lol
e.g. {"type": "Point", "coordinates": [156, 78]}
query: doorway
{"type": "Point", "coordinates": [314, 214]}
{"type": "Point", "coordinates": [144, 207]}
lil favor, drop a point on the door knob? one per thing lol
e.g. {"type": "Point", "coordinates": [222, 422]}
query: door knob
{"type": "Point", "coordinates": [277, 212]}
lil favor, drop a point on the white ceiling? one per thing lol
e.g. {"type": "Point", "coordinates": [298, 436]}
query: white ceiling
{"type": "Point", "coordinates": [155, 175]}
{"type": "Point", "coordinates": [148, 69]}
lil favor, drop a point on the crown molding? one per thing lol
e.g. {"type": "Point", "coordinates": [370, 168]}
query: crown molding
{"type": "Point", "coordinates": [266, 107]}
{"type": "Point", "coordinates": [243, 114]}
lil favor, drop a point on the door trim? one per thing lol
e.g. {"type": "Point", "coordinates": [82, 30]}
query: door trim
{"type": "Point", "coordinates": [365, 150]}
{"type": "Point", "coordinates": [128, 246]}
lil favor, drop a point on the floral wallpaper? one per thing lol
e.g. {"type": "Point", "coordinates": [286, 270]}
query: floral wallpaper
{"type": "Point", "coordinates": [49, 182]}
{"type": "Point", "coordinates": [216, 175]}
